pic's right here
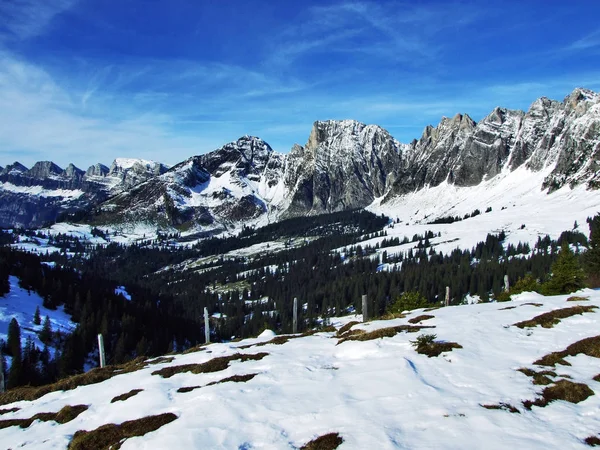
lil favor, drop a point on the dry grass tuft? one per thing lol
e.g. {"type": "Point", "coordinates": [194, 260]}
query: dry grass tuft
{"type": "Point", "coordinates": [185, 389]}
{"type": "Point", "coordinates": [508, 307]}
{"type": "Point", "coordinates": [160, 360]}
{"type": "Point", "coordinates": [196, 348]}
{"type": "Point", "coordinates": [329, 441]}
{"type": "Point", "coordinates": [347, 327]}
{"type": "Point", "coordinates": [9, 410]}
{"type": "Point", "coordinates": [437, 348]}
{"type": "Point", "coordinates": [392, 315]}
{"type": "Point", "coordinates": [112, 436]}
{"type": "Point", "coordinates": [577, 298]}
{"type": "Point", "coordinates": [234, 379]}
{"type": "Point", "coordinates": [592, 441]}
{"type": "Point", "coordinates": [597, 378]}
{"type": "Point", "coordinates": [66, 414]}
{"type": "Point", "coordinates": [213, 365]}
{"type": "Point", "coordinates": [588, 346]}
{"type": "Point", "coordinates": [123, 397]}
{"type": "Point", "coordinates": [381, 333]}
{"type": "Point", "coordinates": [504, 406]}
{"type": "Point", "coordinates": [421, 318]}
{"type": "Point", "coordinates": [549, 319]}
{"type": "Point", "coordinates": [563, 390]}
{"type": "Point", "coordinates": [349, 333]}
{"type": "Point", "coordinates": [431, 309]}
{"type": "Point", "coordinates": [537, 305]}
{"type": "Point", "coordinates": [97, 375]}
{"type": "Point", "coordinates": [539, 378]}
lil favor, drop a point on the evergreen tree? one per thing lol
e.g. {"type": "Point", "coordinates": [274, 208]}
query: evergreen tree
{"type": "Point", "coordinates": [14, 338]}
{"type": "Point", "coordinates": [37, 320]}
{"type": "Point", "coordinates": [15, 374]}
{"type": "Point", "coordinates": [567, 274]}
{"type": "Point", "coordinates": [46, 332]}
{"type": "Point", "coordinates": [592, 256]}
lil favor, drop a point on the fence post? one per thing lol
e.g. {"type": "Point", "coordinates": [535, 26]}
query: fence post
{"type": "Point", "coordinates": [1, 373]}
{"type": "Point", "coordinates": [206, 326]}
{"type": "Point", "coordinates": [295, 316]}
{"type": "Point", "coordinates": [101, 350]}
{"type": "Point", "coordinates": [506, 284]}
{"type": "Point", "coordinates": [447, 300]}
{"type": "Point", "coordinates": [365, 310]}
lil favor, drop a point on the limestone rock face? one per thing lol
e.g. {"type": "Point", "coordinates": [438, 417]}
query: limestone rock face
{"type": "Point", "coordinates": [343, 165]}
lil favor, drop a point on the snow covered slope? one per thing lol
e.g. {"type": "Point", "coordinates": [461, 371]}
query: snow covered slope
{"type": "Point", "coordinates": [21, 305]}
{"type": "Point", "coordinates": [377, 393]}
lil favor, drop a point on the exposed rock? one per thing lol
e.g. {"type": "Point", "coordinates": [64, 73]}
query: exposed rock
{"type": "Point", "coordinates": [344, 164]}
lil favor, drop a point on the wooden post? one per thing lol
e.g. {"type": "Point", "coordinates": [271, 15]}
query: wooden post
{"type": "Point", "coordinates": [1, 373]}
{"type": "Point", "coordinates": [506, 284]}
{"type": "Point", "coordinates": [365, 310]}
{"type": "Point", "coordinates": [206, 326]}
{"type": "Point", "coordinates": [447, 300]}
{"type": "Point", "coordinates": [295, 316]}
{"type": "Point", "coordinates": [101, 350]}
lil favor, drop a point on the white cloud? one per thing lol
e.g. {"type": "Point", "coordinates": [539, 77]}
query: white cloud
{"type": "Point", "coordinates": [24, 19]}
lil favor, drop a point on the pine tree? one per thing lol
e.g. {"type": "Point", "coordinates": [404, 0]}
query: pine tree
{"type": "Point", "coordinates": [591, 258]}
{"type": "Point", "coordinates": [14, 338]}
{"type": "Point", "coordinates": [46, 332]}
{"type": "Point", "coordinates": [567, 274]}
{"type": "Point", "coordinates": [37, 320]}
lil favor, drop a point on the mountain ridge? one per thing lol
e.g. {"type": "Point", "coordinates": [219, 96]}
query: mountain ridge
{"type": "Point", "coordinates": [344, 164]}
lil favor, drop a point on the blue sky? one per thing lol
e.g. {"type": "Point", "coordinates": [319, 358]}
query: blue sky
{"type": "Point", "coordinates": [85, 81]}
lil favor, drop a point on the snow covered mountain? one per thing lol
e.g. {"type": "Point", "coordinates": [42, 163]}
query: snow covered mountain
{"type": "Point", "coordinates": [495, 377]}
{"type": "Point", "coordinates": [32, 197]}
{"type": "Point", "coordinates": [344, 165]}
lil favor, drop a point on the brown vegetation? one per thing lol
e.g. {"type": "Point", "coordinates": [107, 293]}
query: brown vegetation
{"type": "Point", "coordinates": [421, 318]}
{"type": "Point", "coordinates": [329, 441]}
{"type": "Point", "coordinates": [437, 348]}
{"type": "Point", "coordinates": [562, 390]}
{"type": "Point", "coordinates": [123, 397]}
{"type": "Point", "coordinates": [577, 298]}
{"type": "Point", "coordinates": [66, 414]}
{"type": "Point", "coordinates": [112, 436]}
{"type": "Point", "coordinates": [383, 332]}
{"type": "Point", "coordinates": [551, 318]}
{"type": "Point", "coordinates": [213, 365]}
{"type": "Point", "coordinates": [592, 441]}
{"type": "Point", "coordinates": [8, 410]}
{"type": "Point", "coordinates": [94, 376]}
{"type": "Point", "coordinates": [347, 327]}
{"type": "Point", "coordinates": [504, 406]}
{"type": "Point", "coordinates": [539, 378]}
{"type": "Point", "coordinates": [588, 346]}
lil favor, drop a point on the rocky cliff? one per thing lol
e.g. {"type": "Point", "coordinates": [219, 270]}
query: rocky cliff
{"type": "Point", "coordinates": [344, 164]}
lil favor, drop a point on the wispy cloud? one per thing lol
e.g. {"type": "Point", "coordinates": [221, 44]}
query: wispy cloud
{"type": "Point", "coordinates": [24, 19]}
{"type": "Point", "coordinates": [392, 32]}
{"type": "Point", "coordinates": [590, 41]}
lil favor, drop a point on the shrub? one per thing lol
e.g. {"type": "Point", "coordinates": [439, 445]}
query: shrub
{"type": "Point", "coordinates": [408, 301]}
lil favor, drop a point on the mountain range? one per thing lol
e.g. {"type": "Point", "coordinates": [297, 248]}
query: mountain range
{"type": "Point", "coordinates": [344, 165]}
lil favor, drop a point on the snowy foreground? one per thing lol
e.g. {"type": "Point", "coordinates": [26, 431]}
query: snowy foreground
{"type": "Point", "coordinates": [377, 394]}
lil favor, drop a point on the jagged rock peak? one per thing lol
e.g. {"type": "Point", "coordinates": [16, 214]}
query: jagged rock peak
{"type": "Point", "coordinates": [248, 146]}
{"type": "Point", "coordinates": [73, 171]}
{"type": "Point", "coordinates": [97, 170]}
{"type": "Point", "coordinates": [44, 169]}
{"type": "Point", "coordinates": [580, 100]}
{"type": "Point", "coordinates": [14, 168]}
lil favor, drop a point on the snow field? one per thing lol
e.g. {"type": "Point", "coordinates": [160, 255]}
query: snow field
{"type": "Point", "coordinates": [376, 394]}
